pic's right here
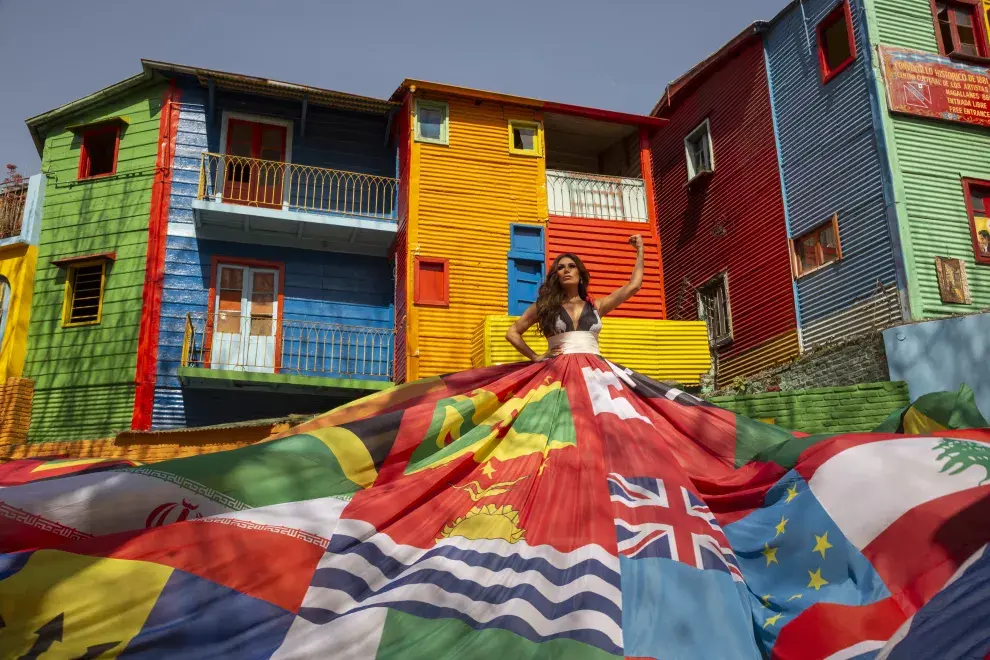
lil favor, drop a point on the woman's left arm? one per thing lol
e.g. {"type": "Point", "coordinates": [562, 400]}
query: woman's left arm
{"type": "Point", "coordinates": [629, 289]}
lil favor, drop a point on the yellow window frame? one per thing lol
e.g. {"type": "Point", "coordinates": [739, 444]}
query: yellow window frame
{"type": "Point", "coordinates": [70, 292]}
{"type": "Point", "coordinates": [444, 109]}
{"type": "Point", "coordinates": [538, 151]}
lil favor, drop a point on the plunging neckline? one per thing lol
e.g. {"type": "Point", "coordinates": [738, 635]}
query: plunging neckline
{"type": "Point", "coordinates": [575, 324]}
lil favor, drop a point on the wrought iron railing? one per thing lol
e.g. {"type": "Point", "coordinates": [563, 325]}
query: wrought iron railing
{"type": "Point", "coordinates": [13, 197]}
{"type": "Point", "coordinates": [277, 185]}
{"type": "Point", "coordinates": [286, 346]}
{"type": "Point", "coordinates": [594, 196]}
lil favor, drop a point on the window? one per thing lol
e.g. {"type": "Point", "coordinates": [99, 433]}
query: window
{"type": "Point", "coordinates": [836, 43]}
{"type": "Point", "coordinates": [713, 309]}
{"type": "Point", "coordinates": [98, 156]}
{"type": "Point", "coordinates": [85, 283]}
{"type": "Point", "coordinates": [524, 138]}
{"type": "Point", "coordinates": [958, 28]}
{"type": "Point", "coordinates": [817, 248]}
{"type": "Point", "coordinates": [4, 306]}
{"type": "Point", "coordinates": [698, 149]}
{"type": "Point", "coordinates": [245, 326]}
{"type": "Point", "coordinates": [525, 266]}
{"type": "Point", "coordinates": [251, 169]}
{"type": "Point", "coordinates": [978, 207]}
{"type": "Point", "coordinates": [431, 282]}
{"type": "Point", "coordinates": [431, 121]}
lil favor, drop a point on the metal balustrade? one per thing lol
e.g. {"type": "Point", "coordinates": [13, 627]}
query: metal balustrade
{"type": "Point", "coordinates": [579, 195]}
{"type": "Point", "coordinates": [277, 185]}
{"type": "Point", "coordinates": [262, 344]}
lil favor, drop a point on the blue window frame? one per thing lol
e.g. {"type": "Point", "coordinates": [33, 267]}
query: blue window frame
{"type": "Point", "coordinates": [526, 265]}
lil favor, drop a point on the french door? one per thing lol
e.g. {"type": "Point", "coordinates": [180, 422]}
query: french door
{"type": "Point", "coordinates": [246, 319]}
{"type": "Point", "coordinates": [254, 166]}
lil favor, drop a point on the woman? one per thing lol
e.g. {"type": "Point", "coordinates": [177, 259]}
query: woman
{"type": "Point", "coordinates": [565, 313]}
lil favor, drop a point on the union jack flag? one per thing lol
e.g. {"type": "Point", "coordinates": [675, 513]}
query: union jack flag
{"type": "Point", "coordinates": [653, 519]}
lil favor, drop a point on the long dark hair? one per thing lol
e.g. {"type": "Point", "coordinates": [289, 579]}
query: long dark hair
{"type": "Point", "coordinates": [552, 294]}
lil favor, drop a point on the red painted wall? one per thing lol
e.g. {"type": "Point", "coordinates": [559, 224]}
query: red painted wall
{"type": "Point", "coordinates": [604, 248]}
{"type": "Point", "coordinates": [735, 219]}
{"type": "Point", "coordinates": [400, 248]}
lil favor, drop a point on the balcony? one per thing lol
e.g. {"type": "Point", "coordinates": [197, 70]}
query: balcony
{"type": "Point", "coordinates": [253, 200]}
{"type": "Point", "coordinates": [13, 198]}
{"type": "Point", "coordinates": [597, 197]}
{"type": "Point", "coordinates": [232, 350]}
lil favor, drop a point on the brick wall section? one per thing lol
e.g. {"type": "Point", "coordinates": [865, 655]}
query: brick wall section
{"type": "Point", "coordinates": [823, 410]}
{"type": "Point", "coordinates": [16, 396]}
{"type": "Point", "coordinates": [862, 359]}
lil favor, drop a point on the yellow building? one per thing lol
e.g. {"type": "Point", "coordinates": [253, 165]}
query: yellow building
{"type": "Point", "coordinates": [492, 186]}
{"type": "Point", "coordinates": [20, 223]}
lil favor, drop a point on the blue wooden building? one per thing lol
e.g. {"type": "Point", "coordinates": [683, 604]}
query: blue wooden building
{"type": "Point", "coordinates": [837, 198]}
{"type": "Point", "coordinates": [276, 285]}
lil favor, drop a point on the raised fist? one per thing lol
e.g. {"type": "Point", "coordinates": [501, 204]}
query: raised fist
{"type": "Point", "coordinates": [636, 240]}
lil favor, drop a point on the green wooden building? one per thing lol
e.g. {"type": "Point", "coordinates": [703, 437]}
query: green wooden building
{"type": "Point", "coordinates": [930, 62]}
{"type": "Point", "coordinates": [99, 154]}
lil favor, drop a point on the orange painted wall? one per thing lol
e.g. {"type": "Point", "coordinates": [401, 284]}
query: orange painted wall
{"type": "Point", "coordinates": [604, 248]}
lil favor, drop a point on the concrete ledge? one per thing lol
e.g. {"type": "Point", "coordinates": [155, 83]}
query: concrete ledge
{"type": "Point", "coordinates": [197, 377]}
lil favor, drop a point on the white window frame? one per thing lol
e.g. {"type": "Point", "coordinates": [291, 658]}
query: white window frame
{"type": "Point", "coordinates": [258, 119]}
{"type": "Point", "coordinates": [722, 277]}
{"type": "Point", "coordinates": [704, 128]}
{"type": "Point", "coordinates": [444, 108]}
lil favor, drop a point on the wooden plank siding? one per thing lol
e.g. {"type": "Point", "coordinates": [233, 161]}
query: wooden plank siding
{"type": "Point", "coordinates": [464, 198]}
{"type": "Point", "coordinates": [604, 248]}
{"type": "Point", "coordinates": [84, 376]}
{"type": "Point", "coordinates": [734, 221]}
{"type": "Point", "coordinates": [320, 286]}
{"type": "Point", "coordinates": [929, 159]}
{"type": "Point", "coordinates": [831, 164]}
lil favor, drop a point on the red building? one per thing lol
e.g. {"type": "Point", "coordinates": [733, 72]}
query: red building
{"type": "Point", "coordinates": [720, 209]}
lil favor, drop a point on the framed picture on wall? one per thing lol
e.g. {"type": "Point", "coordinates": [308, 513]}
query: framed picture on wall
{"type": "Point", "coordinates": [978, 208]}
{"type": "Point", "coordinates": [953, 287]}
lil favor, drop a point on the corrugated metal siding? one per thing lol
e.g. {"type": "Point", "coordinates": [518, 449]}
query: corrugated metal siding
{"type": "Point", "coordinates": [319, 286]}
{"type": "Point", "coordinates": [682, 356]}
{"type": "Point", "coordinates": [930, 159]}
{"type": "Point", "coordinates": [402, 257]}
{"type": "Point", "coordinates": [468, 193]}
{"type": "Point", "coordinates": [604, 248]}
{"type": "Point", "coordinates": [830, 163]}
{"type": "Point", "coordinates": [84, 376]}
{"type": "Point", "coordinates": [775, 351]}
{"type": "Point", "coordinates": [735, 220]}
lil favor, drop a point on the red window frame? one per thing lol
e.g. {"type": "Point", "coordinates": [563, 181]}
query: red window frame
{"type": "Point", "coordinates": [975, 9]}
{"type": "Point", "coordinates": [795, 243]}
{"type": "Point", "coordinates": [983, 186]}
{"type": "Point", "coordinates": [84, 162]}
{"type": "Point", "coordinates": [842, 10]}
{"type": "Point", "coordinates": [419, 298]}
{"type": "Point", "coordinates": [215, 263]}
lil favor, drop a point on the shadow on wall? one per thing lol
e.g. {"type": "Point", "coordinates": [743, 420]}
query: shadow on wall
{"type": "Point", "coordinates": [941, 355]}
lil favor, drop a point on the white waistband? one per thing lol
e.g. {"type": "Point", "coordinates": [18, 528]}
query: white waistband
{"type": "Point", "coordinates": [580, 341]}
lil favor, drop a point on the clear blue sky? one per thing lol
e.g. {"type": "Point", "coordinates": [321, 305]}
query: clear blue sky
{"type": "Point", "coordinates": [614, 54]}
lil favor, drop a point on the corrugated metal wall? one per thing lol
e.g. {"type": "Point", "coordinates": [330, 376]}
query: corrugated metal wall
{"type": "Point", "coordinates": [663, 350]}
{"type": "Point", "coordinates": [464, 197]}
{"type": "Point", "coordinates": [929, 160]}
{"type": "Point", "coordinates": [735, 220]}
{"type": "Point", "coordinates": [604, 248]}
{"type": "Point", "coordinates": [84, 376]}
{"type": "Point", "coordinates": [401, 257]}
{"type": "Point", "coordinates": [830, 163]}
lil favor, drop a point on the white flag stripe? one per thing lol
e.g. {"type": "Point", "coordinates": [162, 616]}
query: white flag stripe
{"type": "Point", "coordinates": [106, 502]}
{"type": "Point", "coordinates": [353, 637]}
{"type": "Point", "coordinates": [318, 516]}
{"type": "Point", "coordinates": [478, 610]}
{"type": "Point", "coordinates": [653, 499]}
{"type": "Point", "coordinates": [856, 650]}
{"type": "Point", "coordinates": [506, 578]}
{"type": "Point", "coordinates": [363, 531]}
{"type": "Point", "coordinates": [891, 477]}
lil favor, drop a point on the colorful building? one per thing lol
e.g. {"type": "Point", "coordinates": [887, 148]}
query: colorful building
{"type": "Point", "coordinates": [720, 209]}
{"type": "Point", "coordinates": [270, 272]}
{"type": "Point", "coordinates": [492, 187]}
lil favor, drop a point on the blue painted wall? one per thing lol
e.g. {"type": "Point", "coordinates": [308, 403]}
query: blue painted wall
{"type": "Point", "coordinates": [937, 356]}
{"type": "Point", "coordinates": [320, 286]}
{"type": "Point", "coordinates": [830, 163]}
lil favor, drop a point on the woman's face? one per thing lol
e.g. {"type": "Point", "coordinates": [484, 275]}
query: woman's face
{"type": "Point", "coordinates": [567, 271]}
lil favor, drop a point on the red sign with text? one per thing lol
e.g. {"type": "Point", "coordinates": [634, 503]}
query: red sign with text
{"type": "Point", "coordinates": [928, 85]}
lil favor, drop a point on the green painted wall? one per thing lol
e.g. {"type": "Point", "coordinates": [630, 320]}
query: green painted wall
{"type": "Point", "coordinates": [929, 158]}
{"type": "Point", "coordinates": [822, 410]}
{"type": "Point", "coordinates": [84, 376]}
